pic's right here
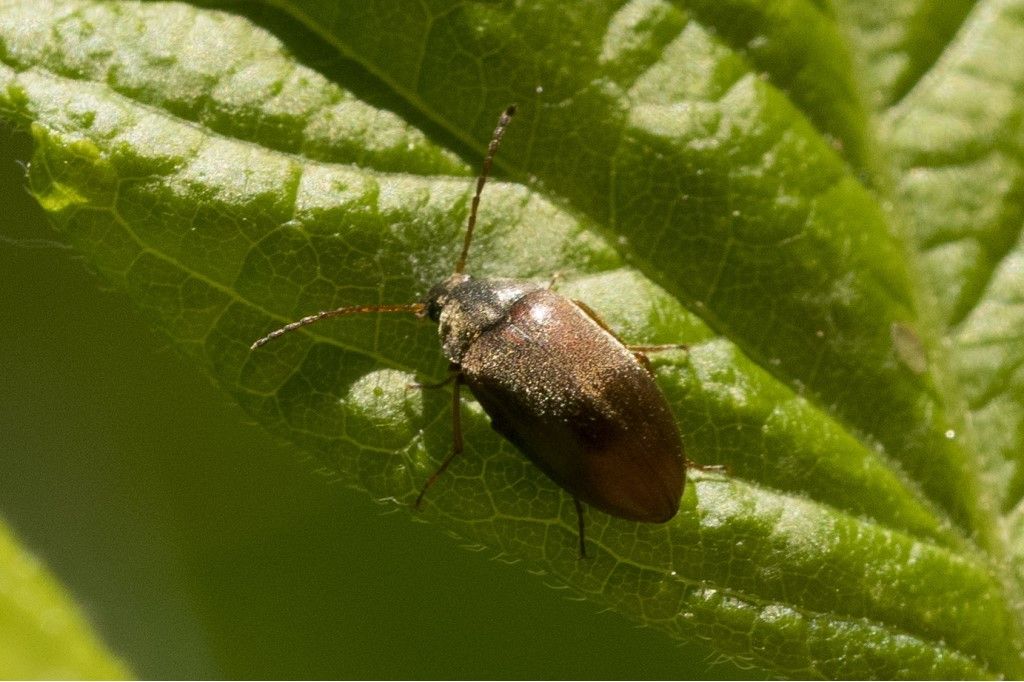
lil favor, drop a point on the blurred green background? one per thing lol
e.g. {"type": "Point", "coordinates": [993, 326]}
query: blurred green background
{"type": "Point", "coordinates": [199, 547]}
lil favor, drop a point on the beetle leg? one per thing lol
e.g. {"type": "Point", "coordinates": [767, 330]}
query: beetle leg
{"type": "Point", "coordinates": [579, 521]}
{"type": "Point", "coordinates": [636, 348]}
{"type": "Point", "coordinates": [640, 353]}
{"type": "Point", "coordinates": [642, 358]}
{"type": "Point", "coordinates": [716, 468]}
{"type": "Point", "coordinates": [456, 440]}
{"type": "Point", "coordinates": [453, 371]}
{"type": "Point", "coordinates": [657, 348]}
{"type": "Point", "coordinates": [555, 277]}
{"type": "Point", "coordinates": [596, 318]}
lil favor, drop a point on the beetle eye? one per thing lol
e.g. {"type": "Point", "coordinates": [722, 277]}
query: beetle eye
{"type": "Point", "coordinates": [433, 310]}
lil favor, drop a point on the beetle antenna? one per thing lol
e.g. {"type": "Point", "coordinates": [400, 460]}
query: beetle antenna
{"type": "Point", "coordinates": [492, 149]}
{"type": "Point", "coordinates": [416, 308]}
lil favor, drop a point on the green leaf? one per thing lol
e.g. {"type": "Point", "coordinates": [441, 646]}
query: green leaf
{"type": "Point", "coordinates": [844, 268]}
{"type": "Point", "coordinates": [42, 634]}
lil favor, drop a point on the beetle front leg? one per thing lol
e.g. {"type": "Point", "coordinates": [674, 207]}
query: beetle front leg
{"type": "Point", "coordinates": [456, 378]}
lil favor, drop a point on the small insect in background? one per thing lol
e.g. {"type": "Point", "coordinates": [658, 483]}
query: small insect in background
{"type": "Point", "coordinates": [555, 381]}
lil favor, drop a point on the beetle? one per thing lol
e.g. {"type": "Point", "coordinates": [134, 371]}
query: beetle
{"type": "Point", "coordinates": [555, 381]}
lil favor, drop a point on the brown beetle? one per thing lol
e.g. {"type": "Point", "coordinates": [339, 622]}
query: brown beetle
{"type": "Point", "coordinates": [556, 382]}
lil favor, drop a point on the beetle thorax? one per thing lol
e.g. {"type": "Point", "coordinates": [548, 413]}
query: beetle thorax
{"type": "Point", "coordinates": [465, 307]}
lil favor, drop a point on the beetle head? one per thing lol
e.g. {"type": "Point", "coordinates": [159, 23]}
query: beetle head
{"type": "Point", "coordinates": [441, 293]}
{"type": "Point", "coordinates": [464, 307]}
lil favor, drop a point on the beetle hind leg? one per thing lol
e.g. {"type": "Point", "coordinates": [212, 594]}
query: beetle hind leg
{"type": "Point", "coordinates": [456, 379]}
